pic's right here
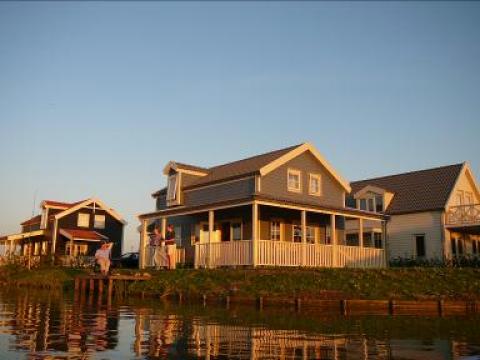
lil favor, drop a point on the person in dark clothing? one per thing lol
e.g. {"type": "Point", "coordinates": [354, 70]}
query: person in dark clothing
{"type": "Point", "coordinates": [171, 246]}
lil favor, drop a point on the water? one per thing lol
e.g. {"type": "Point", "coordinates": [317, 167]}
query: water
{"type": "Point", "coordinates": [42, 325]}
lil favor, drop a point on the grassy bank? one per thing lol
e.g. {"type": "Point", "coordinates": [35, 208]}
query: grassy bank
{"type": "Point", "coordinates": [411, 283]}
{"type": "Point", "coordinates": [45, 277]}
{"type": "Point", "coordinates": [393, 283]}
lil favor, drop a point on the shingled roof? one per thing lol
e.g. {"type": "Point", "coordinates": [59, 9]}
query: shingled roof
{"type": "Point", "coordinates": [416, 191]}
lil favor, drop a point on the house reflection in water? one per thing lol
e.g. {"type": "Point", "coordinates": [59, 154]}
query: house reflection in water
{"type": "Point", "coordinates": [50, 326]}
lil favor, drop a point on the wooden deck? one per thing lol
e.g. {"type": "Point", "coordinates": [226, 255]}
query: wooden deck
{"type": "Point", "coordinates": [97, 283]}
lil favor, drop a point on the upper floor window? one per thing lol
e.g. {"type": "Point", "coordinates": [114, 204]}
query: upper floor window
{"type": "Point", "coordinates": [294, 180]}
{"type": "Point", "coordinates": [468, 198]}
{"type": "Point", "coordinates": [378, 203]}
{"type": "Point", "coordinates": [459, 197]}
{"type": "Point", "coordinates": [172, 187]}
{"type": "Point", "coordinates": [236, 230]}
{"type": "Point", "coordinates": [99, 222]}
{"type": "Point", "coordinates": [363, 204]}
{"type": "Point", "coordinates": [370, 204]}
{"type": "Point", "coordinates": [83, 220]}
{"type": "Point", "coordinates": [314, 187]}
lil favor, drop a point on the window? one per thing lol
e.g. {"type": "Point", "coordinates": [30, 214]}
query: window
{"type": "Point", "coordinates": [367, 239]}
{"type": "Point", "coordinates": [310, 235]}
{"type": "Point", "coordinates": [378, 203]}
{"type": "Point", "coordinates": [468, 198]}
{"type": "Point", "coordinates": [314, 187]}
{"type": "Point", "coordinates": [236, 231]}
{"type": "Point", "coordinates": [474, 247]}
{"type": "Point", "coordinates": [297, 233]}
{"type": "Point", "coordinates": [363, 204]}
{"type": "Point", "coordinates": [377, 238]}
{"type": "Point", "coordinates": [178, 235]}
{"type": "Point", "coordinates": [83, 220]}
{"type": "Point", "coordinates": [275, 230]}
{"type": "Point", "coordinates": [453, 242]}
{"type": "Point", "coordinates": [352, 239]}
{"type": "Point", "coordinates": [294, 181]}
{"type": "Point", "coordinates": [459, 197]}
{"type": "Point", "coordinates": [99, 222]}
{"type": "Point", "coordinates": [460, 247]}
{"type": "Point", "coordinates": [328, 235]}
{"type": "Point", "coordinates": [172, 187]}
{"type": "Point", "coordinates": [370, 204]}
{"type": "Point", "coordinates": [420, 245]}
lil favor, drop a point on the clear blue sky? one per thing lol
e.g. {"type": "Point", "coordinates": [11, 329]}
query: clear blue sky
{"type": "Point", "coordinates": [96, 97]}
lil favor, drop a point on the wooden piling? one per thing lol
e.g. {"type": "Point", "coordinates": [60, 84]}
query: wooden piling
{"type": "Point", "coordinates": [441, 307]}
{"type": "Point", "coordinates": [260, 303]}
{"type": "Point", "coordinates": [204, 298]}
{"type": "Point", "coordinates": [298, 304]}
{"type": "Point", "coordinates": [391, 307]}
{"type": "Point", "coordinates": [344, 307]}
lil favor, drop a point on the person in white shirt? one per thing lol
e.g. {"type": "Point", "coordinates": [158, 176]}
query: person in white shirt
{"type": "Point", "coordinates": [102, 256]}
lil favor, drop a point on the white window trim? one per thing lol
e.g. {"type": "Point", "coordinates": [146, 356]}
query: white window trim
{"type": "Point", "coordinates": [319, 179]}
{"type": "Point", "coordinates": [95, 225]}
{"type": "Point", "coordinates": [296, 223]}
{"type": "Point", "coordinates": [414, 240]}
{"type": "Point", "coordinates": [294, 172]}
{"type": "Point", "coordinates": [280, 222]}
{"type": "Point", "coordinates": [236, 221]}
{"type": "Point", "coordinates": [314, 234]}
{"type": "Point", "coordinates": [87, 216]}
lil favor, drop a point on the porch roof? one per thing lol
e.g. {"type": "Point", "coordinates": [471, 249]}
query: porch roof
{"type": "Point", "coordinates": [23, 235]}
{"type": "Point", "coordinates": [82, 235]}
{"type": "Point", "coordinates": [263, 200]}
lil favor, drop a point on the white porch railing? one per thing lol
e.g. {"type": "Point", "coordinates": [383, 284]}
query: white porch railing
{"type": "Point", "coordinates": [231, 253]}
{"type": "Point", "coordinates": [149, 251]}
{"type": "Point", "coordinates": [360, 257]}
{"type": "Point", "coordinates": [276, 253]}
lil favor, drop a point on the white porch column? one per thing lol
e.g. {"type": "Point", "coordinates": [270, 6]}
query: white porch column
{"type": "Point", "coordinates": [360, 232]}
{"type": "Point", "coordinates": [333, 235]}
{"type": "Point", "coordinates": [54, 239]}
{"type": "Point", "coordinates": [143, 245]}
{"type": "Point", "coordinates": [163, 227]}
{"type": "Point", "coordinates": [211, 232]}
{"type": "Point", "coordinates": [254, 234]}
{"type": "Point", "coordinates": [304, 237]}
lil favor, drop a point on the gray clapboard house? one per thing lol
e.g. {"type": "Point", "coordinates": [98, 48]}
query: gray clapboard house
{"type": "Point", "coordinates": [282, 208]}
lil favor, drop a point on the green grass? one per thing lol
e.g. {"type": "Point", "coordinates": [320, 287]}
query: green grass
{"type": "Point", "coordinates": [393, 283]}
{"type": "Point", "coordinates": [409, 283]}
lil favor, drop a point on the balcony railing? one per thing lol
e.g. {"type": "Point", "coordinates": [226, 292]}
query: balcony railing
{"type": "Point", "coordinates": [463, 215]}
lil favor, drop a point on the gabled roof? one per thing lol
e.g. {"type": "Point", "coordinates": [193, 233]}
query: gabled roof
{"type": "Point", "coordinates": [86, 235]}
{"type": "Point", "coordinates": [416, 191]}
{"type": "Point", "coordinates": [32, 221]}
{"type": "Point", "coordinates": [87, 202]}
{"type": "Point", "coordinates": [259, 164]}
{"type": "Point", "coordinates": [59, 204]}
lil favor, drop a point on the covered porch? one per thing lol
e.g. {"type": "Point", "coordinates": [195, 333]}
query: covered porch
{"type": "Point", "coordinates": [270, 233]}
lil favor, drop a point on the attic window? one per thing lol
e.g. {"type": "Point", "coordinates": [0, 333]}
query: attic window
{"type": "Point", "coordinates": [172, 187]}
{"type": "Point", "coordinates": [293, 180]}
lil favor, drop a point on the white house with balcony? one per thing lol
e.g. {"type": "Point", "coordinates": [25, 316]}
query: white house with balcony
{"type": "Point", "coordinates": [432, 213]}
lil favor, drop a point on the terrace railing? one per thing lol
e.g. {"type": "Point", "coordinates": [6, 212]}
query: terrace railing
{"type": "Point", "coordinates": [463, 215]}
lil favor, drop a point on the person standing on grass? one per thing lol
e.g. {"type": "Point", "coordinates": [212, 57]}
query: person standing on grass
{"type": "Point", "coordinates": [171, 246]}
{"type": "Point", "coordinates": [102, 256]}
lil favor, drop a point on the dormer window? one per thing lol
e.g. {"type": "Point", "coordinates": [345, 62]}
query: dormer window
{"type": "Point", "coordinates": [172, 189]}
{"type": "Point", "coordinates": [294, 180]}
{"type": "Point", "coordinates": [378, 203]}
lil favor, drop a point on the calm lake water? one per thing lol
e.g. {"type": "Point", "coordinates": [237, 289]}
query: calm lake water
{"type": "Point", "coordinates": [42, 325]}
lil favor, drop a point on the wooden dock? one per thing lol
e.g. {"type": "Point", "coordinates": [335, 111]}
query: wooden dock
{"type": "Point", "coordinates": [95, 284]}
